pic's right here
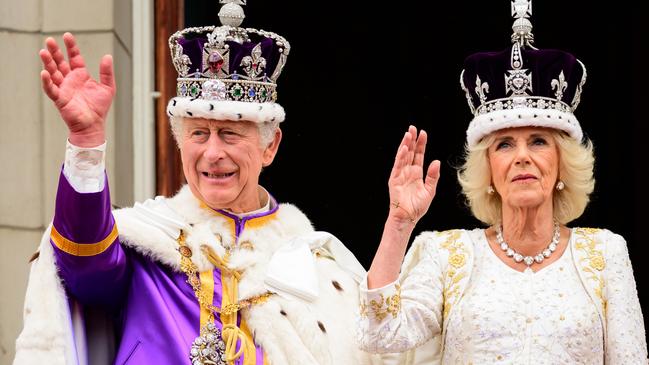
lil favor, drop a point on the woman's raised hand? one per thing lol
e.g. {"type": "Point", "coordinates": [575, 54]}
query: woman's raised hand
{"type": "Point", "coordinates": [410, 192]}
{"type": "Point", "coordinates": [410, 196]}
{"type": "Point", "coordinates": [82, 102]}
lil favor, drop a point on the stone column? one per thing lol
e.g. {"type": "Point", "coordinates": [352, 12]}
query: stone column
{"type": "Point", "coordinates": [32, 135]}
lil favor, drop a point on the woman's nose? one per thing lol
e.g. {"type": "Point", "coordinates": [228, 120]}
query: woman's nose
{"type": "Point", "coordinates": [522, 156]}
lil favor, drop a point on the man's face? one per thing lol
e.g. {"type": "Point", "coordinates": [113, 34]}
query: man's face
{"type": "Point", "coordinates": [222, 161]}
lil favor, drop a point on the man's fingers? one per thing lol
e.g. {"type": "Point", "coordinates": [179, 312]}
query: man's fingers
{"type": "Point", "coordinates": [57, 56]}
{"type": "Point", "coordinates": [74, 55]}
{"type": "Point", "coordinates": [106, 74]}
{"type": "Point", "coordinates": [51, 90]}
{"type": "Point", "coordinates": [50, 66]}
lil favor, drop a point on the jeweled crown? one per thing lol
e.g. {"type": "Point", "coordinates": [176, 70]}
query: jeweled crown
{"type": "Point", "coordinates": [228, 62]}
{"type": "Point", "coordinates": [522, 85]}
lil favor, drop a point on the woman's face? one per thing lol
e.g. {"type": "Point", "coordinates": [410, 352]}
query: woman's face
{"type": "Point", "coordinates": [524, 166]}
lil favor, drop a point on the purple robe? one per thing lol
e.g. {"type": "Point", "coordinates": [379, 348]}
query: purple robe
{"type": "Point", "coordinates": [159, 315]}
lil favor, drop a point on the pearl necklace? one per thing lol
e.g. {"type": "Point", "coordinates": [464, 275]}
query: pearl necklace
{"type": "Point", "coordinates": [529, 260]}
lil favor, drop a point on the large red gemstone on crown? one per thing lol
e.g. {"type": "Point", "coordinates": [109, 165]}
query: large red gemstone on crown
{"type": "Point", "coordinates": [215, 62]}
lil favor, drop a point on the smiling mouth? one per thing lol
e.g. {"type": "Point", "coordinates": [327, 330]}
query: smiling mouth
{"type": "Point", "coordinates": [218, 176]}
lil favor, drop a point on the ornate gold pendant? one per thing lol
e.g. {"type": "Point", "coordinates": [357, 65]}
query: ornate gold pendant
{"type": "Point", "coordinates": [208, 348]}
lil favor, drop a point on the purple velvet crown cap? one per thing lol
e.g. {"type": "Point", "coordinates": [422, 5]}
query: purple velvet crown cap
{"type": "Point", "coordinates": [193, 45]}
{"type": "Point", "coordinates": [544, 65]}
{"type": "Point", "coordinates": [522, 85]}
{"type": "Point", "coordinates": [227, 72]}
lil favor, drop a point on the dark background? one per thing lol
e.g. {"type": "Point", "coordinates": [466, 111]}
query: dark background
{"type": "Point", "coordinates": [359, 72]}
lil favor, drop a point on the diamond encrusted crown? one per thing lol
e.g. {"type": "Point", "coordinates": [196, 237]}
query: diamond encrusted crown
{"type": "Point", "coordinates": [228, 62]}
{"type": "Point", "coordinates": [522, 85]}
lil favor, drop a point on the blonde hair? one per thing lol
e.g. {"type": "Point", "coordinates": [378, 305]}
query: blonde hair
{"type": "Point", "coordinates": [576, 164]}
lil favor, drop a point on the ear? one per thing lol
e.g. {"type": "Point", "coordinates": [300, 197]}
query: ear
{"type": "Point", "coordinates": [271, 149]}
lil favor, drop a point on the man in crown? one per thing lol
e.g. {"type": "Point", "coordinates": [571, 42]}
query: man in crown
{"type": "Point", "coordinates": [221, 273]}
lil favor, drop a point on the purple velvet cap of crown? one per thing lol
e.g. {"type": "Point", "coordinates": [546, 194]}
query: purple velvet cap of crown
{"type": "Point", "coordinates": [548, 94]}
{"type": "Point", "coordinates": [545, 65]}
{"type": "Point", "coordinates": [227, 73]}
{"type": "Point", "coordinates": [193, 48]}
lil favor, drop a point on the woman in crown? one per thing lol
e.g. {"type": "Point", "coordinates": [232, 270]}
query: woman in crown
{"type": "Point", "coordinates": [528, 289]}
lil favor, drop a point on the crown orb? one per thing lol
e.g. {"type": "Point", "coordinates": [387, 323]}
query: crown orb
{"type": "Point", "coordinates": [522, 27]}
{"type": "Point", "coordinates": [231, 14]}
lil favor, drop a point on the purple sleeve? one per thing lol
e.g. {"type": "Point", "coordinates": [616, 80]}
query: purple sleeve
{"type": "Point", "coordinates": [90, 259]}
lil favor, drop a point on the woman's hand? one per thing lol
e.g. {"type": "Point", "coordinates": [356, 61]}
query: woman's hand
{"type": "Point", "coordinates": [410, 197]}
{"type": "Point", "coordinates": [410, 193]}
{"type": "Point", "coordinates": [82, 102]}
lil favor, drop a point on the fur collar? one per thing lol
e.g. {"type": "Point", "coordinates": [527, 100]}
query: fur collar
{"type": "Point", "coordinates": [152, 229]}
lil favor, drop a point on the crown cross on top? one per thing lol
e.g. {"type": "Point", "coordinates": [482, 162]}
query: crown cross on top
{"type": "Point", "coordinates": [522, 27]}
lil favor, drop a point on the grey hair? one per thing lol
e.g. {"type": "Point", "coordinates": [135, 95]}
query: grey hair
{"type": "Point", "coordinates": [266, 130]}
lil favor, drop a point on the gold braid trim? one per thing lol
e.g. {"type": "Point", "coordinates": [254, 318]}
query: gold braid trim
{"type": "Point", "coordinates": [83, 249]}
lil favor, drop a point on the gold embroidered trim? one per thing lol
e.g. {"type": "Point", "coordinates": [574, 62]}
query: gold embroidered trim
{"type": "Point", "coordinates": [457, 259]}
{"type": "Point", "coordinates": [592, 261]}
{"type": "Point", "coordinates": [364, 309]}
{"type": "Point", "coordinates": [384, 306]}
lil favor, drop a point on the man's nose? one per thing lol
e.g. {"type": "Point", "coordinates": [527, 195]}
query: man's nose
{"type": "Point", "coordinates": [214, 149]}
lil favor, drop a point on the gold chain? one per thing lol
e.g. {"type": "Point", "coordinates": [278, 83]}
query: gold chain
{"type": "Point", "coordinates": [191, 271]}
{"type": "Point", "coordinates": [233, 308]}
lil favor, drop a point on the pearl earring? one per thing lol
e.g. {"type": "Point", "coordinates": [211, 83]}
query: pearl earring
{"type": "Point", "coordinates": [491, 190]}
{"type": "Point", "coordinates": [560, 185]}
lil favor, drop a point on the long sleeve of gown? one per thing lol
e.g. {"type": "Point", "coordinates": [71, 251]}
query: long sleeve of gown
{"type": "Point", "coordinates": [625, 335]}
{"type": "Point", "coordinates": [91, 262]}
{"type": "Point", "coordinates": [408, 312]}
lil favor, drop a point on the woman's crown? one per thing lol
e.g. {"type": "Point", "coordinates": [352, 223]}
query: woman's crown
{"type": "Point", "coordinates": [522, 85]}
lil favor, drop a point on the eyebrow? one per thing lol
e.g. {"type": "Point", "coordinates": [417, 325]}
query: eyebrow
{"type": "Point", "coordinates": [195, 125]}
{"type": "Point", "coordinates": [534, 135]}
{"type": "Point", "coordinates": [541, 135]}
